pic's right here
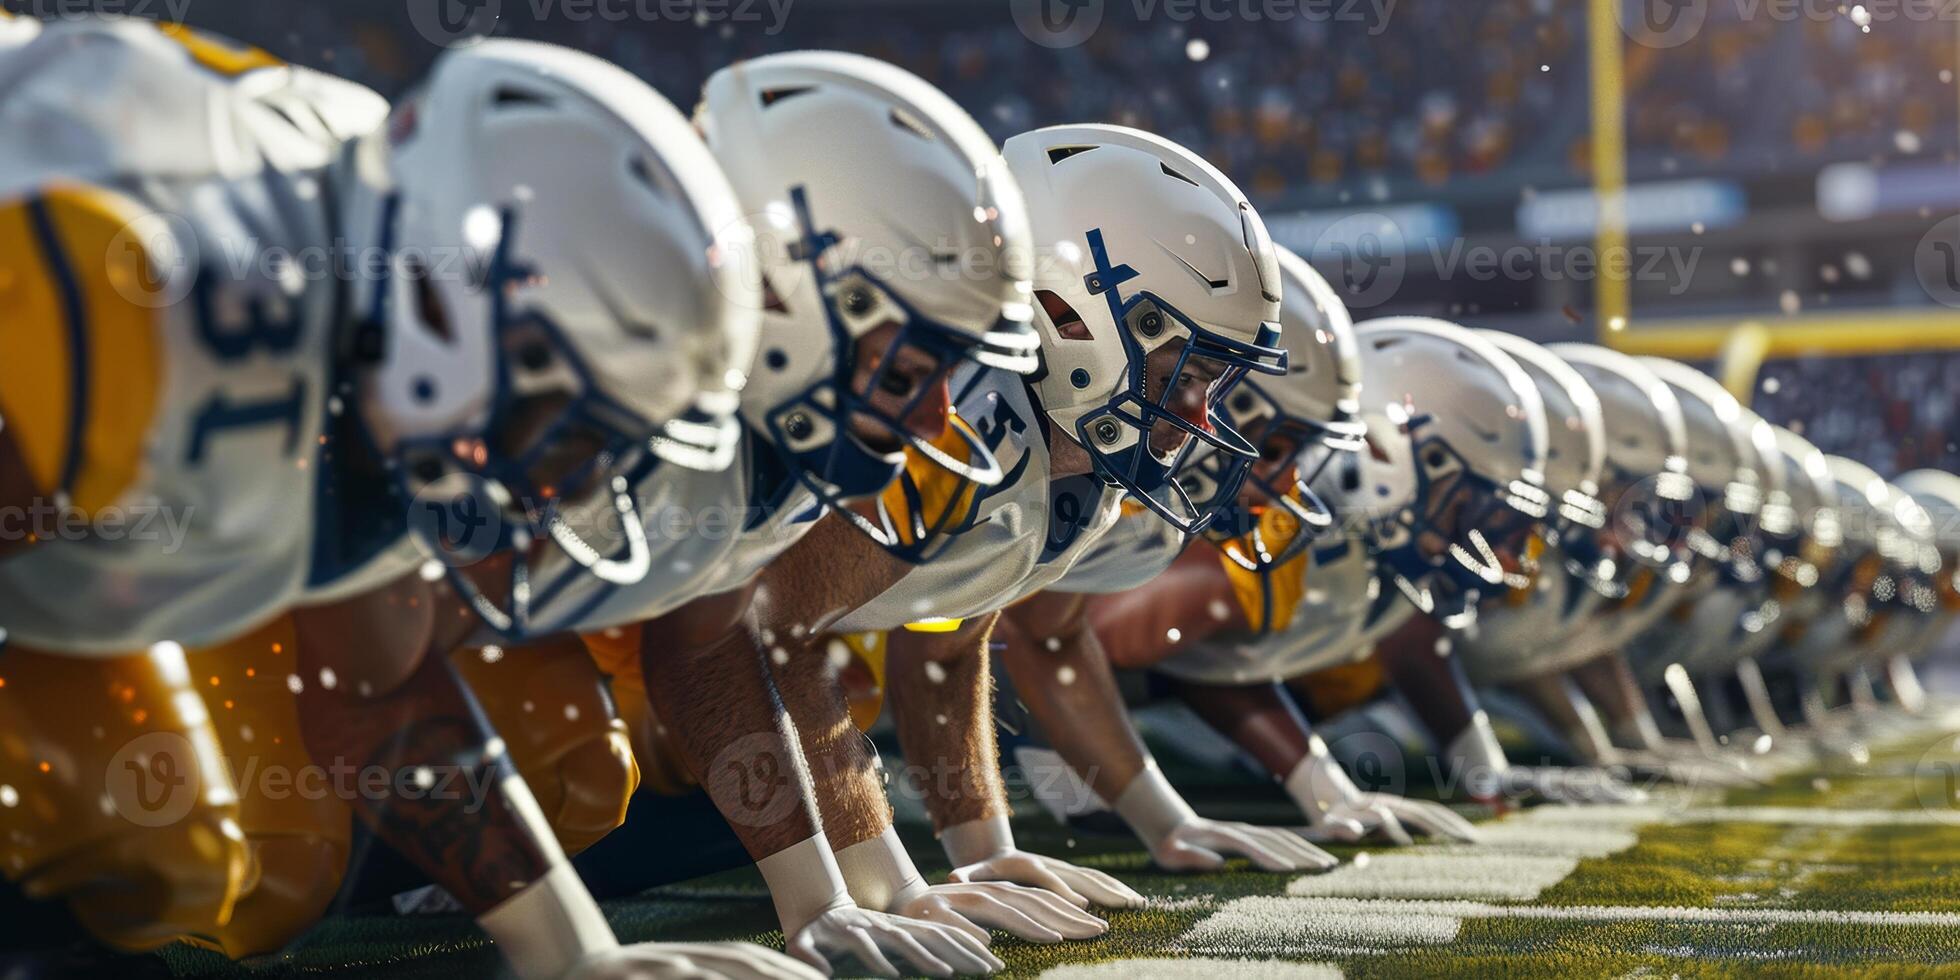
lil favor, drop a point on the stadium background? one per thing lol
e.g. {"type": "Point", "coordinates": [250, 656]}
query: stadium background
{"type": "Point", "coordinates": [1792, 187]}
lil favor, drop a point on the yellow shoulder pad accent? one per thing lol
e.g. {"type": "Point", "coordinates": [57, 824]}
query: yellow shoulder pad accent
{"type": "Point", "coordinates": [863, 677]}
{"type": "Point", "coordinates": [616, 651]}
{"type": "Point", "coordinates": [219, 54]}
{"type": "Point", "coordinates": [80, 360]}
{"type": "Point", "coordinates": [941, 492]}
{"type": "Point", "coordinates": [1340, 688]}
{"type": "Point", "coordinates": [1282, 586]}
{"type": "Point", "coordinates": [938, 624]}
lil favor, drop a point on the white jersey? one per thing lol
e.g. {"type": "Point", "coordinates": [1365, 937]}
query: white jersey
{"type": "Point", "coordinates": [165, 223]}
{"type": "Point", "coordinates": [1328, 612]}
{"type": "Point", "coordinates": [1139, 548]}
{"type": "Point", "coordinates": [1026, 531]}
{"type": "Point", "coordinates": [707, 533]}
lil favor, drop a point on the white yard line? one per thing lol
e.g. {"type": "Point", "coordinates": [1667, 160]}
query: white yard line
{"type": "Point", "coordinates": [1273, 926]}
{"type": "Point", "coordinates": [1454, 872]}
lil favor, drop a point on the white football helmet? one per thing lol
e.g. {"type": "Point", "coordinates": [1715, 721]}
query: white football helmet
{"type": "Point", "coordinates": [1476, 428]}
{"type": "Point", "coordinates": [1644, 483]}
{"type": "Point", "coordinates": [1728, 451]}
{"type": "Point", "coordinates": [1814, 499]}
{"type": "Point", "coordinates": [1142, 243]}
{"type": "Point", "coordinates": [1311, 418]}
{"type": "Point", "coordinates": [1575, 423]}
{"type": "Point", "coordinates": [1938, 492]}
{"type": "Point", "coordinates": [876, 200]}
{"type": "Point", "coordinates": [559, 314]}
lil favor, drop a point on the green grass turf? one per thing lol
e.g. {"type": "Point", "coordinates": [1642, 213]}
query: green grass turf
{"type": "Point", "coordinates": [1726, 865]}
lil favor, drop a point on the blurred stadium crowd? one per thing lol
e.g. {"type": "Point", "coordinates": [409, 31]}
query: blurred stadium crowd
{"type": "Point", "coordinates": [1484, 99]}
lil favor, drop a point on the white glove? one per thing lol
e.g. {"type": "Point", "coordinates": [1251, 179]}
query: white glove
{"type": "Point", "coordinates": [983, 850]}
{"type": "Point", "coordinates": [1340, 811]}
{"type": "Point", "coordinates": [1180, 840]}
{"type": "Point", "coordinates": [847, 932]}
{"type": "Point", "coordinates": [880, 875]}
{"type": "Point", "coordinates": [1033, 914]}
{"type": "Point", "coordinates": [1576, 784]}
{"type": "Point", "coordinates": [1682, 761]}
{"type": "Point", "coordinates": [686, 961]}
{"type": "Point", "coordinates": [821, 924]}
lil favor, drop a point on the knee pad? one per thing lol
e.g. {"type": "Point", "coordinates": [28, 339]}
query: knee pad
{"type": "Point", "coordinates": [114, 797]}
{"type": "Point", "coordinates": [548, 702]}
{"type": "Point", "coordinates": [299, 833]}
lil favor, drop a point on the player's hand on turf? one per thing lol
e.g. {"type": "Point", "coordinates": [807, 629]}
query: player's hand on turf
{"type": "Point", "coordinates": [875, 940]}
{"type": "Point", "coordinates": [1424, 817]}
{"type": "Point", "coordinates": [1577, 784]}
{"type": "Point", "coordinates": [1080, 886]}
{"type": "Point", "coordinates": [1032, 914]}
{"type": "Point", "coordinates": [1199, 844]}
{"type": "Point", "coordinates": [688, 961]}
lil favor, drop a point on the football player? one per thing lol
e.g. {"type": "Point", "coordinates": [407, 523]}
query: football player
{"type": "Point", "coordinates": [1231, 616]}
{"type": "Point", "coordinates": [1938, 492]}
{"type": "Point", "coordinates": [1733, 459]}
{"type": "Point", "coordinates": [1528, 642]}
{"type": "Point", "coordinates": [895, 255]}
{"type": "Point", "coordinates": [1138, 339]}
{"type": "Point", "coordinates": [230, 396]}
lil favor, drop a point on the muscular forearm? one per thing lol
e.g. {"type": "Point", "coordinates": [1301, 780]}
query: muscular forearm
{"type": "Point", "coordinates": [1609, 684]}
{"type": "Point", "coordinates": [730, 730]}
{"type": "Point", "coordinates": [481, 838]}
{"type": "Point", "coordinates": [1063, 676]}
{"type": "Point", "coordinates": [941, 691]}
{"type": "Point", "coordinates": [1190, 602]}
{"type": "Point", "coordinates": [1259, 717]}
{"type": "Point", "coordinates": [1434, 685]}
{"type": "Point", "coordinates": [849, 793]}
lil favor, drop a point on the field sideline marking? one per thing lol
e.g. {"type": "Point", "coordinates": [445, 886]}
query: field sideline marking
{"type": "Point", "coordinates": [1279, 926]}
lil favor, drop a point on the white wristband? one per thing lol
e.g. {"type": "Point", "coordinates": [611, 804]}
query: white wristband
{"type": "Point", "coordinates": [1477, 747]}
{"type": "Point", "coordinates": [976, 840]}
{"type": "Point", "coordinates": [878, 873]}
{"type": "Point", "coordinates": [803, 883]}
{"type": "Point", "coordinates": [553, 924]}
{"type": "Point", "coordinates": [550, 927]}
{"type": "Point", "coordinates": [1319, 783]}
{"type": "Point", "coordinates": [1151, 806]}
